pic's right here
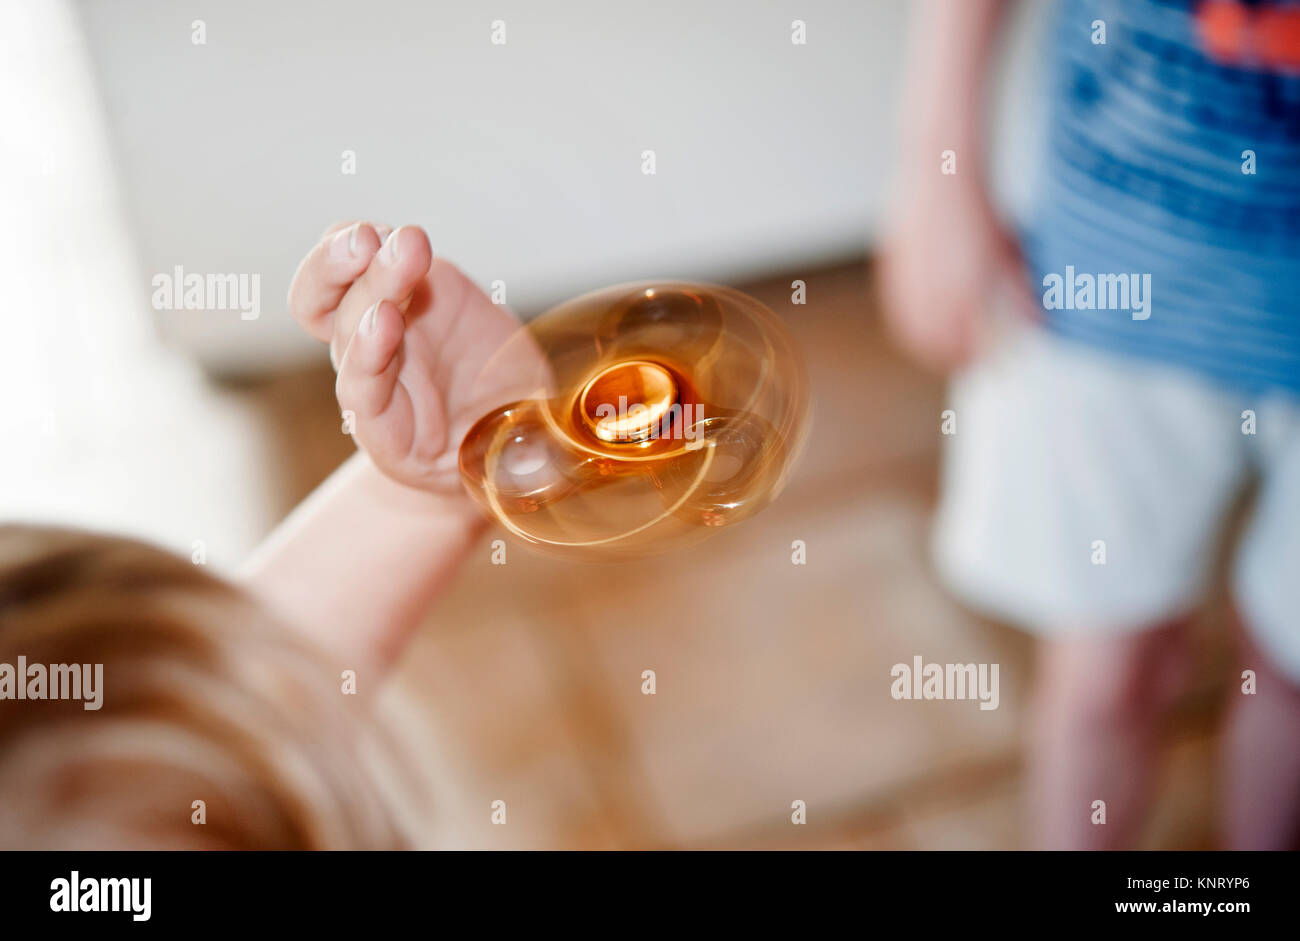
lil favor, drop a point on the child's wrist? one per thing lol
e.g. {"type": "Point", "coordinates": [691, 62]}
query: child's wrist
{"type": "Point", "coordinates": [408, 502]}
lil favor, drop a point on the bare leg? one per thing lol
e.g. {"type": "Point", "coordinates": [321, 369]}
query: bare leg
{"type": "Point", "coordinates": [1095, 716]}
{"type": "Point", "coordinates": [1261, 751]}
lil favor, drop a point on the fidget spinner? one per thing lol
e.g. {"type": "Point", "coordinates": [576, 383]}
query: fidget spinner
{"type": "Point", "coordinates": [644, 417]}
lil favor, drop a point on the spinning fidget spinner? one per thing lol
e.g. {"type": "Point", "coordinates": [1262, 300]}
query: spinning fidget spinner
{"type": "Point", "coordinates": [646, 417]}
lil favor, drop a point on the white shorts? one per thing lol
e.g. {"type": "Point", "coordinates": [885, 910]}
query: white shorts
{"type": "Point", "coordinates": [1084, 491]}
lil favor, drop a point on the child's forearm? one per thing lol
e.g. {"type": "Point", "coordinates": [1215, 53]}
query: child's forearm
{"type": "Point", "coordinates": [947, 75]}
{"type": "Point", "coordinates": [357, 563]}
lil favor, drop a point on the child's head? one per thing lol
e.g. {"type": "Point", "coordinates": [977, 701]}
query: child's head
{"type": "Point", "coordinates": [203, 697]}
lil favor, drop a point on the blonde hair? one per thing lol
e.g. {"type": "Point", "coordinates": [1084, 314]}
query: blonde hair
{"type": "Point", "coordinates": [205, 698]}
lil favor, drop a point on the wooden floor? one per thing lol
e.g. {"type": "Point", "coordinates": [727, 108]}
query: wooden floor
{"type": "Point", "coordinates": [772, 679]}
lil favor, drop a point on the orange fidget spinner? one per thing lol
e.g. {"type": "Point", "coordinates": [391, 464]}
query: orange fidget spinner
{"type": "Point", "coordinates": [648, 416]}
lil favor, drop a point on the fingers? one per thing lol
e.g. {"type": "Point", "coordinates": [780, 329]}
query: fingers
{"type": "Point", "coordinates": [380, 409]}
{"type": "Point", "coordinates": [395, 271]}
{"type": "Point", "coordinates": [325, 274]}
{"type": "Point", "coordinates": [369, 368]}
{"type": "Point", "coordinates": [382, 228]}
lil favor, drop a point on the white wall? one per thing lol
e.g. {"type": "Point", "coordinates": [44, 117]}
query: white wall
{"type": "Point", "coordinates": [99, 427]}
{"type": "Point", "coordinates": [523, 161]}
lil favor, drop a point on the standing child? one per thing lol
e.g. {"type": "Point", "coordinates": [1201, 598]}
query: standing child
{"type": "Point", "coordinates": [1102, 440]}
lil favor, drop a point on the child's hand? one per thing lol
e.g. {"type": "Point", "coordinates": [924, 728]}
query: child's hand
{"type": "Point", "coordinates": [946, 260]}
{"type": "Point", "coordinates": [409, 335]}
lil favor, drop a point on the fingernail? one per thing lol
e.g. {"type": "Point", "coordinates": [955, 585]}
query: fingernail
{"type": "Point", "coordinates": [390, 247]}
{"type": "Point", "coordinates": [344, 243]}
{"type": "Point", "coordinates": [369, 320]}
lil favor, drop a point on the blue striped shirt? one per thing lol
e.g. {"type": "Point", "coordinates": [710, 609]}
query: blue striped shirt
{"type": "Point", "coordinates": [1146, 143]}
